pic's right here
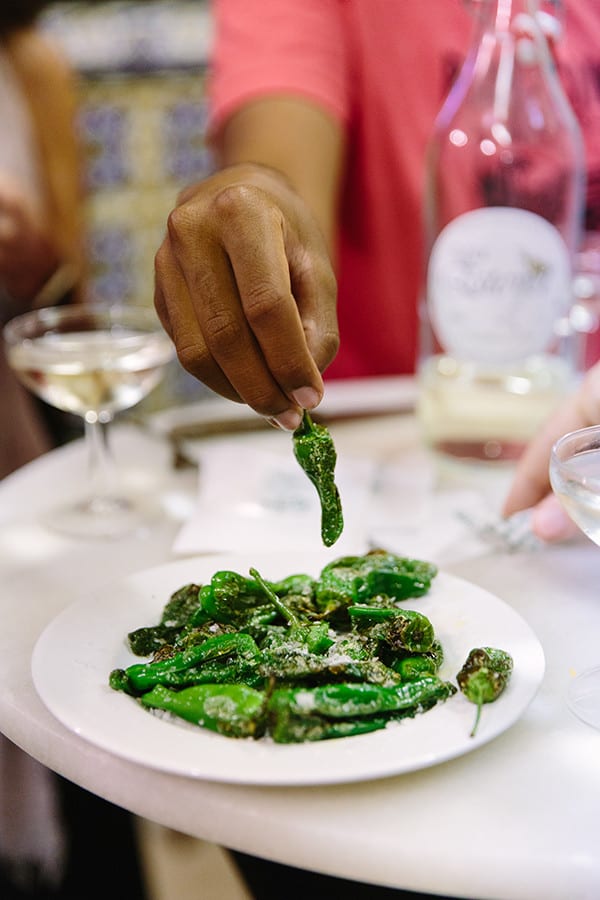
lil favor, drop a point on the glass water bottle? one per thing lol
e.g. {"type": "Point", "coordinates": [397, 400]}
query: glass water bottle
{"type": "Point", "coordinates": [504, 200]}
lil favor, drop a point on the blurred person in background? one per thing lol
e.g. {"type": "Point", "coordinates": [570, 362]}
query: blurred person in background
{"type": "Point", "coordinates": [40, 203]}
{"type": "Point", "coordinates": [309, 238]}
{"type": "Point", "coordinates": [52, 834]}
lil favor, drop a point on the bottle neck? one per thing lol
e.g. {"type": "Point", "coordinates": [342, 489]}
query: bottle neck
{"type": "Point", "coordinates": [508, 36]}
{"type": "Point", "coordinates": [503, 16]}
{"type": "Point", "coordinates": [514, 24]}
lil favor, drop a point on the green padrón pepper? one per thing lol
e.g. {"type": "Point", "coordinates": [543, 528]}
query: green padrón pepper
{"type": "Point", "coordinates": [315, 451]}
{"type": "Point", "coordinates": [231, 709]}
{"type": "Point", "coordinates": [484, 676]}
{"type": "Point", "coordinates": [343, 701]}
{"type": "Point", "coordinates": [298, 714]}
{"type": "Point", "coordinates": [402, 629]}
{"type": "Point", "coordinates": [377, 574]}
{"type": "Point", "coordinates": [141, 677]}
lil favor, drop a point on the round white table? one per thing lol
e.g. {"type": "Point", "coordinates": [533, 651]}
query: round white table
{"type": "Point", "coordinates": [517, 819]}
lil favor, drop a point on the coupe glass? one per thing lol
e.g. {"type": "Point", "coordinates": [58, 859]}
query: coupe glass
{"type": "Point", "coordinates": [91, 360]}
{"type": "Point", "coordinates": [575, 479]}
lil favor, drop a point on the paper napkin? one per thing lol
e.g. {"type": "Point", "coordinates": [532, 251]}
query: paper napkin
{"type": "Point", "coordinates": [252, 499]}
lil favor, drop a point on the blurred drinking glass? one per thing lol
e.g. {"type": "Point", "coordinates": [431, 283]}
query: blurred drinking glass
{"type": "Point", "coordinates": [575, 479]}
{"type": "Point", "coordinates": [92, 360]}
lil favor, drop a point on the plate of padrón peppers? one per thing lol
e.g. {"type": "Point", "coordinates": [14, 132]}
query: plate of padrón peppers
{"type": "Point", "coordinates": [280, 669]}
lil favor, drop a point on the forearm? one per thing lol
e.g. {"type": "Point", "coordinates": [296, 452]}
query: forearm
{"type": "Point", "coordinates": [531, 485]}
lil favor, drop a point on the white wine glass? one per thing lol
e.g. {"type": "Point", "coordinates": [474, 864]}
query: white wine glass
{"type": "Point", "coordinates": [92, 360]}
{"type": "Point", "coordinates": [575, 479]}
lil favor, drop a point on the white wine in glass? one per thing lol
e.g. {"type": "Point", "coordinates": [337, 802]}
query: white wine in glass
{"type": "Point", "coordinates": [92, 360]}
{"type": "Point", "coordinates": [575, 479]}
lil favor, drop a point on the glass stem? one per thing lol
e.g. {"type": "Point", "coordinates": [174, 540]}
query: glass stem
{"type": "Point", "coordinates": [102, 471]}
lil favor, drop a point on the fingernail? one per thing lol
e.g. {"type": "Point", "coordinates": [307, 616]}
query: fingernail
{"type": "Point", "coordinates": [288, 420]}
{"type": "Point", "coordinates": [306, 397]}
{"type": "Point", "coordinates": [550, 522]}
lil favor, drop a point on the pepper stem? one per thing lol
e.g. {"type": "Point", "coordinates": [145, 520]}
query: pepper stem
{"type": "Point", "coordinates": [479, 701]}
{"type": "Point", "coordinates": [477, 717]}
{"type": "Point", "coordinates": [305, 426]}
{"type": "Point", "coordinates": [285, 611]}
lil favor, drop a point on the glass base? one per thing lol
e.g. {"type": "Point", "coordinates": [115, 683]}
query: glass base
{"type": "Point", "coordinates": [583, 697]}
{"type": "Point", "coordinates": [101, 517]}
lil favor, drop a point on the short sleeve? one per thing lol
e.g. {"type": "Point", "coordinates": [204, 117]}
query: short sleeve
{"type": "Point", "coordinates": [266, 47]}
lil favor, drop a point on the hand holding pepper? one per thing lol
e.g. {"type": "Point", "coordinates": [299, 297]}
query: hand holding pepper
{"type": "Point", "coordinates": [246, 290]}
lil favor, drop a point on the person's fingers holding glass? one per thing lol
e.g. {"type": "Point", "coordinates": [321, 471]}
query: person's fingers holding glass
{"type": "Point", "coordinates": [530, 488]}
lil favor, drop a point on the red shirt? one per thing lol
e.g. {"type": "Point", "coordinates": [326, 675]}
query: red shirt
{"type": "Point", "coordinates": [383, 68]}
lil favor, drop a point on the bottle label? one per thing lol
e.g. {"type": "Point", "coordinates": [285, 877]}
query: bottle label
{"type": "Point", "coordinates": [499, 279]}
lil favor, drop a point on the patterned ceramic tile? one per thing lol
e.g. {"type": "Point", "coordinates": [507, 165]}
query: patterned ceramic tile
{"type": "Point", "coordinates": [141, 123]}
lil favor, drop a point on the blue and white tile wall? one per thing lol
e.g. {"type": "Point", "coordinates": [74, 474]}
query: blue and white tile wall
{"type": "Point", "coordinates": [141, 121]}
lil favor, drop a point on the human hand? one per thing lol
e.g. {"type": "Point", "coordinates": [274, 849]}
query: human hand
{"type": "Point", "coordinates": [28, 256]}
{"type": "Point", "coordinates": [246, 290]}
{"type": "Point", "coordinates": [531, 485]}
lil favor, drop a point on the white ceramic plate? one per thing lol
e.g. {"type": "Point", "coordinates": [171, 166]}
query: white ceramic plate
{"type": "Point", "coordinates": [76, 652]}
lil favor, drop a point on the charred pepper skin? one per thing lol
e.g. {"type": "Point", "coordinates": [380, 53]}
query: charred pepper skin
{"type": "Point", "coordinates": [182, 604]}
{"type": "Point", "coordinates": [298, 714]}
{"type": "Point", "coordinates": [235, 710]}
{"type": "Point", "coordinates": [396, 577]}
{"type": "Point", "coordinates": [400, 629]}
{"type": "Point", "coordinates": [228, 597]}
{"type": "Point", "coordinates": [361, 579]}
{"type": "Point", "coordinates": [346, 700]}
{"type": "Point", "coordinates": [484, 676]}
{"type": "Point", "coordinates": [290, 729]}
{"type": "Point", "coordinates": [142, 677]}
{"type": "Point", "coordinates": [410, 666]}
{"type": "Point", "coordinates": [315, 452]}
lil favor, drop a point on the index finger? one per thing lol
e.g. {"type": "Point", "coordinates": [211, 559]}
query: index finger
{"type": "Point", "coordinates": [263, 278]}
{"type": "Point", "coordinates": [246, 308]}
